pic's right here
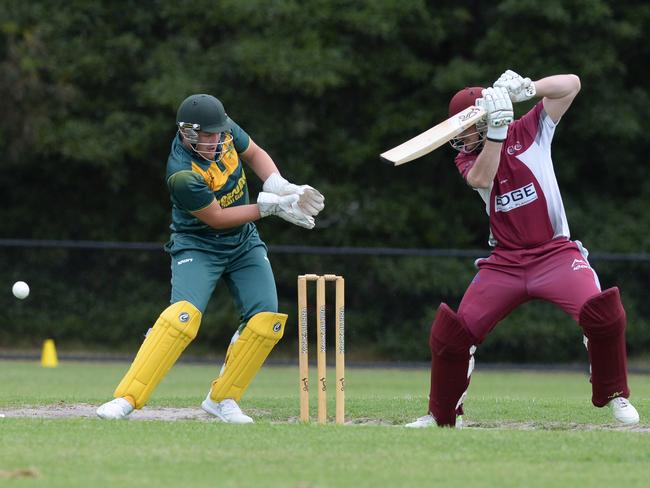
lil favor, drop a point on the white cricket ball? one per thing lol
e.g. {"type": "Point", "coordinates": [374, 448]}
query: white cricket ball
{"type": "Point", "coordinates": [20, 289]}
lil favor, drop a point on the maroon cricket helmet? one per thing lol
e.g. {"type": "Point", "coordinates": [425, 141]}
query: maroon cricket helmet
{"type": "Point", "coordinates": [464, 98]}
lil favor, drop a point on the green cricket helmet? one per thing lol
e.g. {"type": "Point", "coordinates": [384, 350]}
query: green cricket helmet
{"type": "Point", "coordinates": [204, 113]}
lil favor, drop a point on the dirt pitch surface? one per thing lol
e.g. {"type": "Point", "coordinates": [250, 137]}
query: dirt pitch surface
{"type": "Point", "coordinates": [170, 414]}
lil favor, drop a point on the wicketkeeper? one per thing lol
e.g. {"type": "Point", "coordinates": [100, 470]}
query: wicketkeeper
{"type": "Point", "coordinates": [213, 237]}
{"type": "Point", "coordinates": [509, 164]}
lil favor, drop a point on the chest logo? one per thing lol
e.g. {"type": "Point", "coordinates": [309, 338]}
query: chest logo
{"type": "Point", "coordinates": [516, 147]}
{"type": "Point", "coordinates": [515, 198]}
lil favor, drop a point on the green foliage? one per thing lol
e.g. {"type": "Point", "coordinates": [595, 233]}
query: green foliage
{"type": "Point", "coordinates": [323, 86]}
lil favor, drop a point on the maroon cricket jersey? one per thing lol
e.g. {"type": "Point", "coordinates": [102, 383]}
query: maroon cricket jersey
{"type": "Point", "coordinates": [524, 201]}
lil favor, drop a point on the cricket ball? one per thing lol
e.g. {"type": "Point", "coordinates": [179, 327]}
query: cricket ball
{"type": "Point", "coordinates": [20, 290]}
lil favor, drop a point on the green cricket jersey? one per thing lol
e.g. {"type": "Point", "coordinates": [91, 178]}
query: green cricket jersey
{"type": "Point", "coordinates": [201, 255]}
{"type": "Point", "coordinates": [194, 183]}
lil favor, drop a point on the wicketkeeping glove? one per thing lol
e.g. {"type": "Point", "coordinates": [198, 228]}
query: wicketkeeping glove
{"type": "Point", "coordinates": [311, 201]}
{"type": "Point", "coordinates": [498, 106]}
{"type": "Point", "coordinates": [286, 207]}
{"type": "Point", "coordinates": [519, 89]}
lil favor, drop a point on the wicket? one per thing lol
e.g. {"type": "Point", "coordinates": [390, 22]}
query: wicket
{"type": "Point", "coordinates": [321, 346]}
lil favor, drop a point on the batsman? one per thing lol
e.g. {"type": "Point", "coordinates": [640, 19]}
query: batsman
{"type": "Point", "coordinates": [213, 237]}
{"type": "Point", "coordinates": [508, 162]}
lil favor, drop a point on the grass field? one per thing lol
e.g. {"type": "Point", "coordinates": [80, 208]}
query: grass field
{"type": "Point", "coordinates": [527, 429]}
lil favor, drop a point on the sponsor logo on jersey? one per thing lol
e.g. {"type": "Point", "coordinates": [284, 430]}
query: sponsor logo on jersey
{"type": "Point", "coordinates": [515, 198]}
{"type": "Point", "coordinates": [516, 147]}
{"type": "Point", "coordinates": [235, 194]}
{"type": "Point", "coordinates": [183, 261]}
{"type": "Point", "coordinates": [579, 264]}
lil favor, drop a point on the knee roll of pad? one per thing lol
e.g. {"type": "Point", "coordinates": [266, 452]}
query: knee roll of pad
{"type": "Point", "coordinates": [449, 338]}
{"type": "Point", "coordinates": [603, 315]}
{"type": "Point", "coordinates": [176, 327]}
{"type": "Point", "coordinates": [250, 350]}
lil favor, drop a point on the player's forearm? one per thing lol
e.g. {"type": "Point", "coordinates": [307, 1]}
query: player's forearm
{"type": "Point", "coordinates": [259, 161]}
{"type": "Point", "coordinates": [485, 168]}
{"type": "Point", "coordinates": [558, 86]}
{"type": "Point", "coordinates": [225, 218]}
{"type": "Point", "coordinates": [558, 93]}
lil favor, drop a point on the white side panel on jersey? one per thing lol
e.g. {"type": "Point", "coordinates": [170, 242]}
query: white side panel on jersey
{"type": "Point", "coordinates": [538, 159]}
{"type": "Point", "coordinates": [485, 195]}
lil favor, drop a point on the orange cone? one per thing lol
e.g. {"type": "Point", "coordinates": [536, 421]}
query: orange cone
{"type": "Point", "coordinates": [48, 357]}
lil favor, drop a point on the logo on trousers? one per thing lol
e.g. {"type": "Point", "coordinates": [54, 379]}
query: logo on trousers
{"type": "Point", "coordinates": [579, 264]}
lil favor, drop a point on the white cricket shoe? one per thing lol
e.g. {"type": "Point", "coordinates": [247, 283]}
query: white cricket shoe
{"type": "Point", "coordinates": [429, 421]}
{"type": "Point", "coordinates": [624, 411]}
{"type": "Point", "coordinates": [226, 410]}
{"type": "Point", "coordinates": [116, 409]}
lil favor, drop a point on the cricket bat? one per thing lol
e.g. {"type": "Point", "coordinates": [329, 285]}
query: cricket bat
{"type": "Point", "coordinates": [433, 138]}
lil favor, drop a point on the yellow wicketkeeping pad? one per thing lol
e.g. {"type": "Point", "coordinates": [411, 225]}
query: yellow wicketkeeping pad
{"type": "Point", "coordinates": [176, 327]}
{"type": "Point", "coordinates": [248, 353]}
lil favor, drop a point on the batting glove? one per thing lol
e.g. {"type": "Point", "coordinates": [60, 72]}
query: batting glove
{"type": "Point", "coordinates": [498, 107]}
{"type": "Point", "coordinates": [519, 89]}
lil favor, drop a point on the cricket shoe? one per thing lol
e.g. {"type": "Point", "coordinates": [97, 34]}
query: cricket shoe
{"type": "Point", "coordinates": [226, 410]}
{"type": "Point", "coordinates": [429, 421]}
{"type": "Point", "coordinates": [624, 411]}
{"type": "Point", "coordinates": [116, 409]}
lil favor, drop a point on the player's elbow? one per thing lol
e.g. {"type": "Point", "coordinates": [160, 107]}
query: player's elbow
{"type": "Point", "coordinates": [477, 182]}
{"type": "Point", "coordinates": [211, 215]}
{"type": "Point", "coordinates": [574, 81]}
{"type": "Point", "coordinates": [478, 178]}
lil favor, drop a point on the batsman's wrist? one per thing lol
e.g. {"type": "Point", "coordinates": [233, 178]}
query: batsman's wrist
{"type": "Point", "coordinates": [497, 134]}
{"type": "Point", "coordinates": [531, 90]}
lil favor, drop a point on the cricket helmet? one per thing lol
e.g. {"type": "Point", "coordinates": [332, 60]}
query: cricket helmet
{"type": "Point", "coordinates": [464, 98]}
{"type": "Point", "coordinates": [203, 112]}
{"type": "Point", "coordinates": [459, 102]}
